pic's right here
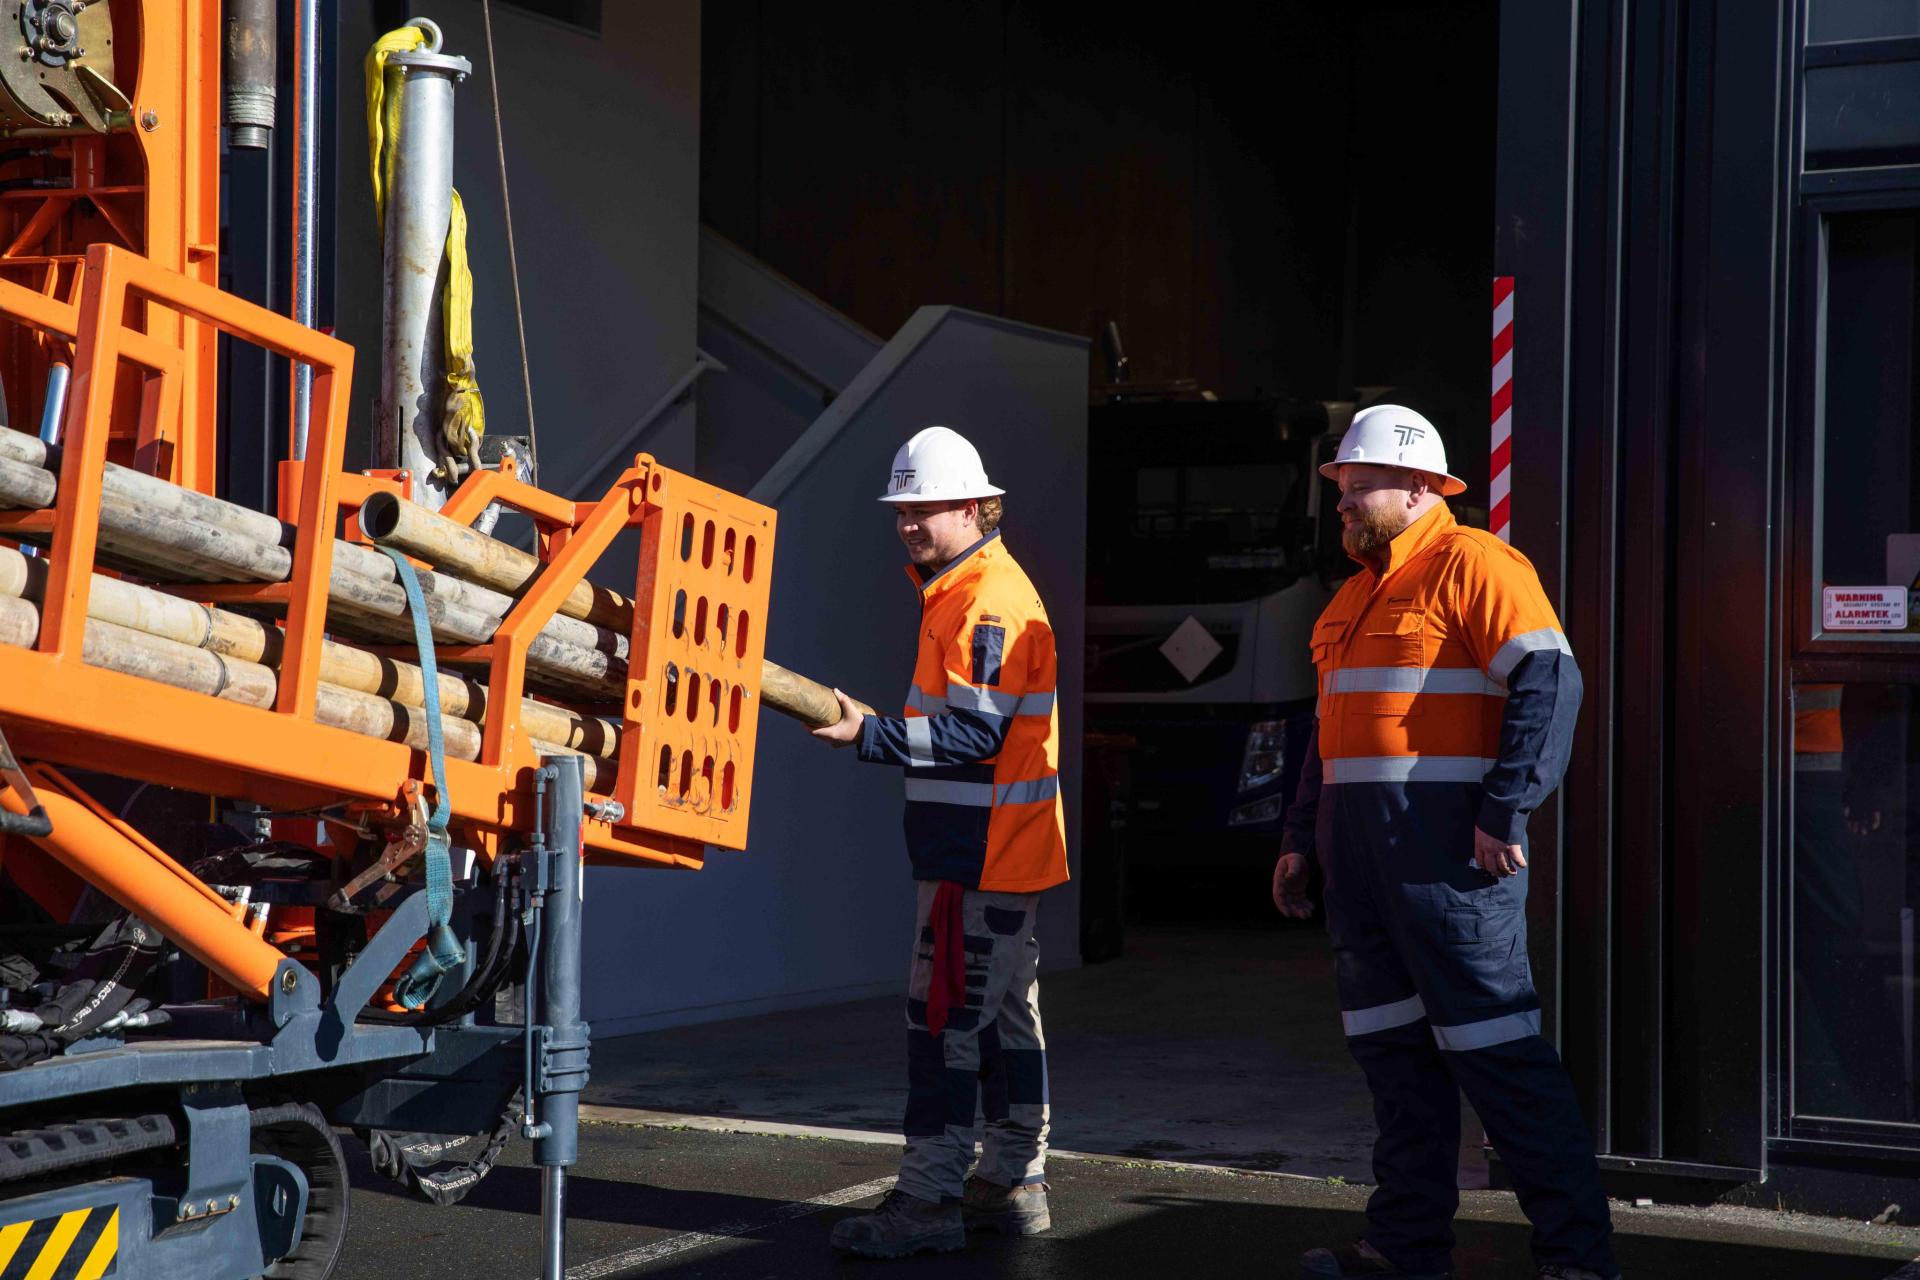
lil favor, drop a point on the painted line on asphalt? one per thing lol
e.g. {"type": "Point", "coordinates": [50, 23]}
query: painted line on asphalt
{"type": "Point", "coordinates": [725, 1124]}
{"type": "Point", "coordinates": [646, 1255]}
{"type": "Point", "coordinates": [647, 1119]}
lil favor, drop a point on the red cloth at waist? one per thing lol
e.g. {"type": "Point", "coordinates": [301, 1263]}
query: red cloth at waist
{"type": "Point", "coordinates": [947, 989]}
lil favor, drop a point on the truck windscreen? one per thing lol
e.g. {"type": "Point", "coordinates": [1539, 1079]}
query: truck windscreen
{"type": "Point", "coordinates": [1194, 512]}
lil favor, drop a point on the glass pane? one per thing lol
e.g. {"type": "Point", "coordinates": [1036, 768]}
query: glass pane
{"type": "Point", "coordinates": [1869, 478]}
{"type": "Point", "coordinates": [1856, 883]}
{"type": "Point", "coordinates": [1863, 115]}
{"type": "Point", "coordinates": [1833, 20]}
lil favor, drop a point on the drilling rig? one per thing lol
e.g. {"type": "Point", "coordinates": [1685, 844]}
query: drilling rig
{"type": "Point", "coordinates": [295, 804]}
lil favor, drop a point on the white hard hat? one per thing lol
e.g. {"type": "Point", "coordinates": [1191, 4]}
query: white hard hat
{"type": "Point", "coordinates": [1391, 435]}
{"type": "Point", "coordinates": [938, 465]}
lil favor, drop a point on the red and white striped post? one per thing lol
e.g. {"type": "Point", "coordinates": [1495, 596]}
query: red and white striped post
{"type": "Point", "coordinates": [1500, 465]}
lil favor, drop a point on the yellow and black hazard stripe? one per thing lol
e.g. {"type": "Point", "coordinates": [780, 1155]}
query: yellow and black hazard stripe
{"type": "Point", "coordinates": [81, 1245]}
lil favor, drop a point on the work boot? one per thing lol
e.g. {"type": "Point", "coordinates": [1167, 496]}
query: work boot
{"type": "Point", "coordinates": [901, 1226]}
{"type": "Point", "coordinates": [1357, 1259]}
{"type": "Point", "coordinates": [1561, 1271]}
{"type": "Point", "coordinates": [1012, 1211]}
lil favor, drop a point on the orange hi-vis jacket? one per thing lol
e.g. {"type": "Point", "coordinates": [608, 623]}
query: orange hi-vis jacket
{"type": "Point", "coordinates": [980, 737]}
{"type": "Point", "coordinates": [1414, 662]}
{"type": "Point", "coordinates": [1818, 740]}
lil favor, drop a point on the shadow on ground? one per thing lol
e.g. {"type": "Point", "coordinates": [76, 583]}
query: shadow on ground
{"type": "Point", "coordinates": [638, 1193]}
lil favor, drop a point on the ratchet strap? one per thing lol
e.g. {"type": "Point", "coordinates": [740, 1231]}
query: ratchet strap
{"type": "Point", "coordinates": [444, 952]}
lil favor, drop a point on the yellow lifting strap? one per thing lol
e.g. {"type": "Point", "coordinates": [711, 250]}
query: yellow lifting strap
{"type": "Point", "coordinates": [465, 417]}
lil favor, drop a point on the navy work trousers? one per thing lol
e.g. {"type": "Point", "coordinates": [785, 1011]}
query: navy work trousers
{"type": "Point", "coordinates": [1437, 997]}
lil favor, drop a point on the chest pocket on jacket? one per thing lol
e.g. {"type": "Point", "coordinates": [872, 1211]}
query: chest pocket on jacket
{"type": "Point", "coordinates": [1327, 634]}
{"type": "Point", "coordinates": [1388, 661]}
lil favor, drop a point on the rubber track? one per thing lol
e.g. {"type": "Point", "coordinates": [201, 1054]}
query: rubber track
{"type": "Point", "coordinates": [32, 1153]}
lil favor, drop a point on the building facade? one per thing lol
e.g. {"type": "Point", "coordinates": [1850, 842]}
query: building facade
{"type": "Point", "coordinates": [1711, 211]}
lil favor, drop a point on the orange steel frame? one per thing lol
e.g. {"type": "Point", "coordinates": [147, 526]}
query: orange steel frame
{"type": "Point", "coordinates": [700, 608]}
{"type": "Point", "coordinates": [154, 188]}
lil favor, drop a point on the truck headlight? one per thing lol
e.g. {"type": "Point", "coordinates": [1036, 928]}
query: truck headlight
{"type": "Point", "coordinates": [1271, 809]}
{"type": "Point", "coordinates": [1265, 756]}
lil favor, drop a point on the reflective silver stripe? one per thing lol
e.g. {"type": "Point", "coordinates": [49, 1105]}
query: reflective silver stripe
{"type": "Point", "coordinates": [1382, 1017]}
{"type": "Point", "coordinates": [1816, 762]}
{"type": "Point", "coordinates": [990, 701]}
{"type": "Point", "coordinates": [1412, 680]}
{"type": "Point", "coordinates": [981, 795]}
{"type": "Point", "coordinates": [919, 741]}
{"type": "Point", "coordinates": [1030, 792]}
{"type": "Point", "coordinates": [1815, 699]}
{"type": "Point", "coordinates": [1407, 769]}
{"type": "Point", "coordinates": [1484, 1035]}
{"type": "Point", "coordinates": [942, 791]}
{"type": "Point", "coordinates": [1520, 646]}
{"type": "Point", "coordinates": [1036, 704]}
{"type": "Point", "coordinates": [926, 704]}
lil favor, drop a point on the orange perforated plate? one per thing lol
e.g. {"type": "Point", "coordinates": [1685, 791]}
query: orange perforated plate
{"type": "Point", "coordinates": [693, 691]}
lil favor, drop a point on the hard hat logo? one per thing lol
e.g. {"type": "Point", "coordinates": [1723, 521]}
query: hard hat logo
{"type": "Point", "coordinates": [938, 465]}
{"type": "Point", "coordinates": [1392, 435]}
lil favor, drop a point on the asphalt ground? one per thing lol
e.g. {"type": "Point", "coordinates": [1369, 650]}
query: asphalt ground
{"type": "Point", "coordinates": [648, 1201]}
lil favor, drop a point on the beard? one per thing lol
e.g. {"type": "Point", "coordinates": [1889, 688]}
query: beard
{"type": "Point", "coordinates": [1369, 536]}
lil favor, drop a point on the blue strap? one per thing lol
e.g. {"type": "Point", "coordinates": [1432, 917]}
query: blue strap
{"type": "Point", "coordinates": [444, 951]}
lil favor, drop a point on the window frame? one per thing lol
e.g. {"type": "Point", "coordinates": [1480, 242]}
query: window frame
{"type": "Point", "coordinates": [1809, 655]}
{"type": "Point", "coordinates": [1809, 639]}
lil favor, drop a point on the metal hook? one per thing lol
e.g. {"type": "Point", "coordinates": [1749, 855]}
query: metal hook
{"type": "Point", "coordinates": [432, 28]}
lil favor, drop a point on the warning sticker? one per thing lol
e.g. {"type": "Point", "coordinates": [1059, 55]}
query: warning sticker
{"type": "Point", "coordinates": [1863, 608]}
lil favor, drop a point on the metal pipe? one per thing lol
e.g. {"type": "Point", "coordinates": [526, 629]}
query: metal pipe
{"type": "Point", "coordinates": [306, 183]}
{"type": "Point", "coordinates": [55, 408]}
{"type": "Point", "coordinates": [562, 1069]}
{"type": "Point", "coordinates": [250, 72]}
{"type": "Point", "coordinates": [450, 546]}
{"type": "Point", "coordinates": [419, 207]}
{"type": "Point", "coordinates": [553, 1223]}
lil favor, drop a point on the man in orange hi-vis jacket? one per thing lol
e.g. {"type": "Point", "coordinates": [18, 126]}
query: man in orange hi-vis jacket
{"type": "Point", "coordinates": [1448, 696]}
{"type": "Point", "coordinates": [980, 746]}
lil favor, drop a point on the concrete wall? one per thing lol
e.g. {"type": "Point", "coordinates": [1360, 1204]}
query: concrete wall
{"type": "Point", "coordinates": [820, 906]}
{"type": "Point", "coordinates": [788, 356]}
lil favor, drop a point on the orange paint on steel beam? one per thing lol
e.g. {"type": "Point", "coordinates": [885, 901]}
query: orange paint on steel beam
{"type": "Point", "coordinates": [481, 488]}
{"type": "Point", "coordinates": [176, 113]}
{"type": "Point", "coordinates": [48, 776]}
{"type": "Point", "coordinates": [63, 620]}
{"type": "Point", "coordinates": [92, 718]}
{"type": "Point", "coordinates": [538, 605]}
{"type": "Point", "coordinates": [122, 870]}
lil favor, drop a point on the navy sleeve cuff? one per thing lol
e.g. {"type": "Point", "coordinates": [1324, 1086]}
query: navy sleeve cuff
{"type": "Point", "coordinates": [864, 746]}
{"type": "Point", "coordinates": [1502, 823]}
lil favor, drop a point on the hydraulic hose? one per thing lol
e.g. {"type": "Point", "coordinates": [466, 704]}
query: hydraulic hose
{"type": "Point", "coordinates": [502, 941]}
{"type": "Point", "coordinates": [106, 987]}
